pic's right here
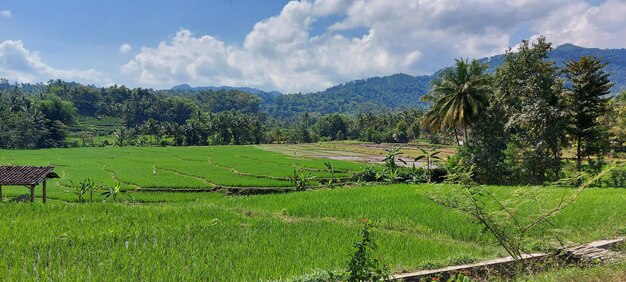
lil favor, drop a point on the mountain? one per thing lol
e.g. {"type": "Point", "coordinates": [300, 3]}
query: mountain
{"type": "Point", "coordinates": [401, 91]}
{"type": "Point", "coordinates": [616, 59]}
{"type": "Point", "coordinates": [258, 92]}
{"type": "Point", "coordinates": [375, 94]}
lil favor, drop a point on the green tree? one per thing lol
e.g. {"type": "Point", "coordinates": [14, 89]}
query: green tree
{"type": "Point", "coordinates": [586, 101]}
{"type": "Point", "coordinates": [529, 88]}
{"type": "Point", "coordinates": [458, 97]}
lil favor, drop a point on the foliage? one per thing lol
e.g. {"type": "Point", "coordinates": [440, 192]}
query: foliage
{"type": "Point", "coordinates": [490, 140]}
{"type": "Point", "coordinates": [301, 180]}
{"type": "Point", "coordinates": [431, 157]}
{"type": "Point", "coordinates": [458, 97]}
{"type": "Point", "coordinates": [391, 170]}
{"type": "Point", "coordinates": [376, 95]}
{"type": "Point", "coordinates": [529, 91]}
{"type": "Point", "coordinates": [618, 178]}
{"type": "Point", "coordinates": [615, 120]}
{"type": "Point", "coordinates": [114, 191]}
{"type": "Point", "coordinates": [363, 265]}
{"type": "Point", "coordinates": [331, 169]}
{"type": "Point", "coordinates": [586, 101]}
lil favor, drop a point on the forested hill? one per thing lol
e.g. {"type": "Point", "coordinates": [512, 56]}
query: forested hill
{"type": "Point", "coordinates": [255, 91]}
{"type": "Point", "coordinates": [399, 91]}
{"type": "Point", "coordinates": [616, 59]}
{"type": "Point", "coordinates": [376, 94]}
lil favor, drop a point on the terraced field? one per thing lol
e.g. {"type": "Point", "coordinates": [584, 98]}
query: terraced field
{"type": "Point", "coordinates": [215, 237]}
{"type": "Point", "coordinates": [210, 236]}
{"type": "Point", "coordinates": [176, 167]}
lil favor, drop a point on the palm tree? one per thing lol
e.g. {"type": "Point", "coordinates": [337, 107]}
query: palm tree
{"type": "Point", "coordinates": [457, 97]}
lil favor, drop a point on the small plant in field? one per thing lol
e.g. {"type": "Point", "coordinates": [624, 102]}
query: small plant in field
{"type": "Point", "coordinates": [363, 266]}
{"type": "Point", "coordinates": [429, 156]}
{"type": "Point", "coordinates": [331, 169]}
{"type": "Point", "coordinates": [301, 180]}
{"type": "Point", "coordinates": [391, 168]}
{"type": "Point", "coordinates": [415, 175]}
{"type": "Point", "coordinates": [114, 191]}
{"type": "Point", "coordinates": [84, 187]}
{"type": "Point", "coordinates": [391, 155]}
{"type": "Point", "coordinates": [459, 278]}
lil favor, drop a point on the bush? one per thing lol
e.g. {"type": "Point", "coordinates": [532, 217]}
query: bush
{"type": "Point", "coordinates": [437, 174]}
{"type": "Point", "coordinates": [363, 266]}
{"type": "Point", "coordinates": [368, 174]}
{"type": "Point", "coordinates": [618, 178]}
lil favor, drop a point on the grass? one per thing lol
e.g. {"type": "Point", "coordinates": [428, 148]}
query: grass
{"type": "Point", "coordinates": [614, 272]}
{"type": "Point", "coordinates": [172, 167]}
{"type": "Point", "coordinates": [208, 239]}
{"type": "Point", "coordinates": [209, 236]}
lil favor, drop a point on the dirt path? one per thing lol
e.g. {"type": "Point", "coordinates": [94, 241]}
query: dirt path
{"type": "Point", "coordinates": [364, 153]}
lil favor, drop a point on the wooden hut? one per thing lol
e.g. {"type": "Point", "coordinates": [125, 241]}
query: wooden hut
{"type": "Point", "coordinates": [29, 176]}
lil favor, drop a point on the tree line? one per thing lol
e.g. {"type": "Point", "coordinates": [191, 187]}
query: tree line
{"type": "Point", "coordinates": [47, 115]}
{"type": "Point", "coordinates": [513, 125]}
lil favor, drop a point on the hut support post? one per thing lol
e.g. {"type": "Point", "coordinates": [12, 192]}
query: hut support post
{"type": "Point", "coordinates": [44, 191]}
{"type": "Point", "coordinates": [0, 193]}
{"type": "Point", "coordinates": [32, 193]}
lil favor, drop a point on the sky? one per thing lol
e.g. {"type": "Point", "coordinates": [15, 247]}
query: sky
{"type": "Point", "coordinates": [288, 46]}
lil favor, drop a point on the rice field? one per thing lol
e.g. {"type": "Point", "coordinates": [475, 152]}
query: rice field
{"type": "Point", "coordinates": [210, 236]}
{"type": "Point", "coordinates": [214, 237]}
{"type": "Point", "coordinates": [175, 167]}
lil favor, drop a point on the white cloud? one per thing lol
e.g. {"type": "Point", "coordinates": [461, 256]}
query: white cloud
{"type": "Point", "coordinates": [125, 48]}
{"type": "Point", "coordinates": [412, 36]}
{"type": "Point", "coordinates": [19, 64]}
{"type": "Point", "coordinates": [5, 14]}
{"type": "Point", "coordinates": [586, 25]}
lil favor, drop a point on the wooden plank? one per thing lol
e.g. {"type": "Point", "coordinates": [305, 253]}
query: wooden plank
{"type": "Point", "coordinates": [594, 250]}
{"type": "Point", "coordinates": [418, 275]}
{"type": "Point", "coordinates": [44, 191]}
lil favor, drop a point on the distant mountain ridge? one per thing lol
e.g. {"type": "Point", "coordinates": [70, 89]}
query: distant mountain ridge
{"type": "Point", "coordinates": [402, 91]}
{"type": "Point", "coordinates": [255, 91]}
{"type": "Point", "coordinates": [616, 59]}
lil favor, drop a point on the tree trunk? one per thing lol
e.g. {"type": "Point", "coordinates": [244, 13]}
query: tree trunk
{"type": "Point", "coordinates": [456, 135]}
{"type": "Point", "coordinates": [578, 154]}
{"type": "Point", "coordinates": [466, 142]}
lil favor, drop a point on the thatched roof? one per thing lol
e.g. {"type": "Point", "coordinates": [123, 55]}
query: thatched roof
{"type": "Point", "coordinates": [25, 175]}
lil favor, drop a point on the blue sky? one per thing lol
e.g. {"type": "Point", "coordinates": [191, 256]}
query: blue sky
{"type": "Point", "coordinates": [296, 46]}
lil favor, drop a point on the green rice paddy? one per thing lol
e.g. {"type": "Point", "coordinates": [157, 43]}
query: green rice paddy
{"type": "Point", "coordinates": [172, 167]}
{"type": "Point", "coordinates": [214, 237]}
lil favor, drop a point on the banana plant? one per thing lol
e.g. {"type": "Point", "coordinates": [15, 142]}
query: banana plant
{"type": "Point", "coordinates": [84, 187]}
{"type": "Point", "coordinates": [430, 157]}
{"type": "Point", "coordinates": [391, 168]}
{"type": "Point", "coordinates": [113, 192]}
{"type": "Point", "coordinates": [301, 180]}
{"type": "Point", "coordinates": [391, 155]}
{"type": "Point", "coordinates": [331, 169]}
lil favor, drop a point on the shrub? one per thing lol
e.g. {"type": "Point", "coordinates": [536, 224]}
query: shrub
{"type": "Point", "coordinates": [363, 266]}
{"type": "Point", "coordinates": [437, 174]}
{"type": "Point", "coordinates": [618, 178]}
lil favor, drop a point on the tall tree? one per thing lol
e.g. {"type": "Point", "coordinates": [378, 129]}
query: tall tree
{"type": "Point", "coordinates": [586, 101]}
{"type": "Point", "coordinates": [531, 93]}
{"type": "Point", "coordinates": [457, 97]}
